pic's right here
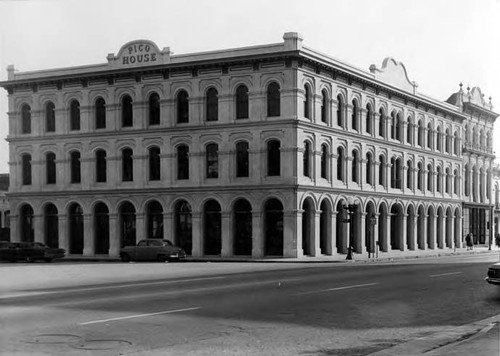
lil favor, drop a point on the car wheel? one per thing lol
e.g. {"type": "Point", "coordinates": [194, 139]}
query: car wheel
{"type": "Point", "coordinates": [162, 258]}
{"type": "Point", "coordinates": [30, 259]}
{"type": "Point", "coordinates": [125, 258]}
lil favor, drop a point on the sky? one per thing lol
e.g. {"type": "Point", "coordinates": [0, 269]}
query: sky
{"type": "Point", "coordinates": [442, 43]}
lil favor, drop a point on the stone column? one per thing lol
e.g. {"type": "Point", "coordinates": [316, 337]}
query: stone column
{"type": "Point", "coordinates": [291, 245]}
{"type": "Point", "coordinates": [332, 237]}
{"type": "Point", "coordinates": [257, 235]}
{"type": "Point", "coordinates": [197, 234]}
{"type": "Point", "coordinates": [114, 237]}
{"type": "Point", "coordinates": [226, 231]}
{"type": "Point", "coordinates": [63, 232]}
{"type": "Point", "coordinates": [168, 227]}
{"type": "Point", "coordinates": [362, 232]}
{"type": "Point", "coordinates": [38, 228]}
{"type": "Point", "coordinates": [316, 250]}
{"type": "Point", "coordinates": [403, 246]}
{"type": "Point", "coordinates": [140, 227]}
{"type": "Point", "coordinates": [88, 235]}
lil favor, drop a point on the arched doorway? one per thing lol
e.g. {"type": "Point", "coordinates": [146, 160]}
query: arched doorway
{"type": "Point", "coordinates": [273, 228]}
{"type": "Point", "coordinates": [410, 228]}
{"type": "Point", "coordinates": [127, 224]}
{"type": "Point", "coordinates": [212, 228]}
{"type": "Point", "coordinates": [101, 229]}
{"type": "Point", "coordinates": [242, 228]}
{"type": "Point", "coordinates": [370, 228]}
{"type": "Point", "coordinates": [325, 228]}
{"type": "Point", "coordinates": [449, 228]}
{"type": "Point", "coordinates": [308, 227]}
{"type": "Point", "coordinates": [421, 228]}
{"type": "Point", "coordinates": [154, 220]}
{"type": "Point", "coordinates": [75, 229]}
{"type": "Point", "coordinates": [430, 227]}
{"type": "Point", "coordinates": [183, 226]}
{"type": "Point", "coordinates": [26, 224]}
{"type": "Point", "coordinates": [396, 227]}
{"type": "Point", "coordinates": [342, 228]}
{"type": "Point", "coordinates": [382, 228]}
{"type": "Point", "coordinates": [440, 228]}
{"type": "Point", "coordinates": [51, 226]}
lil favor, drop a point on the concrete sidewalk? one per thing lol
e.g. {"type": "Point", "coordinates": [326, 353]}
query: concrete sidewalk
{"type": "Point", "coordinates": [382, 256]}
{"type": "Point", "coordinates": [481, 338]}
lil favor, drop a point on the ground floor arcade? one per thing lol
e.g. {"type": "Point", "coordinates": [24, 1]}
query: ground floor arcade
{"type": "Point", "coordinates": [258, 223]}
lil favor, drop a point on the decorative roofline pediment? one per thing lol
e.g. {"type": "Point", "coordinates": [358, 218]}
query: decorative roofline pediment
{"type": "Point", "coordinates": [394, 73]}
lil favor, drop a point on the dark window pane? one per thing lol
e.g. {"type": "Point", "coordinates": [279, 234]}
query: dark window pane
{"type": "Point", "coordinates": [212, 103]}
{"type": "Point", "coordinates": [75, 167]}
{"type": "Point", "coordinates": [26, 168]}
{"type": "Point", "coordinates": [100, 166]}
{"type": "Point", "coordinates": [50, 117]}
{"type": "Point", "coordinates": [183, 162]}
{"type": "Point", "coordinates": [127, 165]}
{"type": "Point", "coordinates": [242, 159]}
{"type": "Point", "coordinates": [26, 119]}
{"type": "Point", "coordinates": [182, 107]}
{"type": "Point", "coordinates": [100, 114]}
{"type": "Point", "coordinates": [273, 158]}
{"type": "Point", "coordinates": [242, 102]}
{"type": "Point", "coordinates": [154, 163]}
{"type": "Point", "coordinates": [154, 109]}
{"type": "Point", "coordinates": [212, 160]}
{"type": "Point", "coordinates": [51, 168]}
{"type": "Point", "coordinates": [273, 100]}
{"type": "Point", "coordinates": [127, 111]}
{"type": "Point", "coordinates": [74, 112]}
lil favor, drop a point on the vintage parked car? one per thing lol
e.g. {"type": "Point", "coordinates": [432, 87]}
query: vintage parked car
{"type": "Point", "coordinates": [493, 274]}
{"type": "Point", "coordinates": [28, 251]}
{"type": "Point", "coordinates": [152, 250]}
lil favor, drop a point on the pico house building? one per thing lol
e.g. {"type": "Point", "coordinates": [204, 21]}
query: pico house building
{"type": "Point", "coordinates": [272, 150]}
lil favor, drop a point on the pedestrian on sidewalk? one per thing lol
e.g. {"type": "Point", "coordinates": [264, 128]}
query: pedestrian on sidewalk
{"type": "Point", "coordinates": [468, 242]}
{"type": "Point", "coordinates": [497, 240]}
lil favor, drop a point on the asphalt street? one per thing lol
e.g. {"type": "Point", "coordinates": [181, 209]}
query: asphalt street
{"type": "Point", "coordinates": [237, 308]}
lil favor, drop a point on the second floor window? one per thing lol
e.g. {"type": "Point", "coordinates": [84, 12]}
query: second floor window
{"type": "Point", "coordinates": [26, 169]}
{"type": "Point", "coordinates": [100, 165]}
{"type": "Point", "coordinates": [50, 117]}
{"type": "Point", "coordinates": [154, 163]}
{"type": "Point", "coordinates": [212, 160]}
{"type": "Point", "coordinates": [242, 102]}
{"type": "Point", "coordinates": [242, 159]}
{"type": "Point", "coordinates": [74, 115]}
{"type": "Point", "coordinates": [127, 165]}
{"type": "Point", "coordinates": [127, 112]}
{"type": "Point", "coordinates": [273, 158]}
{"type": "Point", "coordinates": [212, 105]}
{"type": "Point", "coordinates": [100, 113]}
{"type": "Point", "coordinates": [307, 160]}
{"type": "Point", "coordinates": [273, 99]}
{"type": "Point", "coordinates": [76, 173]}
{"type": "Point", "coordinates": [26, 119]}
{"type": "Point", "coordinates": [183, 162]}
{"type": "Point", "coordinates": [182, 107]}
{"type": "Point", "coordinates": [154, 109]}
{"type": "Point", "coordinates": [50, 166]}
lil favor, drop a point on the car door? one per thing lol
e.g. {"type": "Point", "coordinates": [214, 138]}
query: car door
{"type": "Point", "coordinates": [141, 250]}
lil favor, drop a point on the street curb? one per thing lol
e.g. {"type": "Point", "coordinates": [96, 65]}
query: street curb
{"type": "Point", "coordinates": [439, 339]}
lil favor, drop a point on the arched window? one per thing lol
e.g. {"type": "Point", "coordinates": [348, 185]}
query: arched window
{"type": "Point", "coordinates": [420, 133]}
{"type": "Point", "coordinates": [307, 102]}
{"type": "Point", "coordinates": [439, 178]}
{"type": "Point", "coordinates": [50, 117]}
{"type": "Point", "coordinates": [154, 163]}
{"type": "Point", "coordinates": [306, 158]}
{"type": "Point", "coordinates": [51, 225]}
{"type": "Point", "coordinates": [242, 159]}
{"type": "Point", "coordinates": [100, 113]}
{"type": "Point", "coordinates": [448, 141]}
{"type": "Point", "coordinates": [127, 111]}
{"type": "Point", "coordinates": [420, 174]}
{"type": "Point", "coordinates": [127, 221]}
{"type": "Point", "coordinates": [212, 160]}
{"type": "Point", "coordinates": [242, 227]}
{"type": "Point", "coordinates": [101, 229]}
{"type": "Point", "coordinates": [154, 220]}
{"type": "Point", "coordinates": [212, 232]}
{"type": "Point", "coordinates": [369, 115]}
{"type": "Point", "coordinates": [439, 139]}
{"type": "Point", "coordinates": [395, 173]}
{"type": "Point", "coordinates": [212, 104]}
{"type": "Point", "coordinates": [409, 131]}
{"type": "Point", "coordinates": [100, 166]}
{"type": "Point", "coordinates": [456, 183]}
{"type": "Point", "coordinates": [456, 146]}
{"type": "Point", "coordinates": [340, 110]}
{"type": "Point", "coordinates": [127, 165]}
{"type": "Point", "coordinates": [447, 181]}
{"type": "Point", "coordinates": [26, 119]}
{"type": "Point", "coordinates": [409, 175]}
{"type": "Point", "coordinates": [355, 166]}
{"type": "Point", "coordinates": [76, 172]}
{"type": "Point", "coordinates": [26, 169]}
{"type": "Point", "coordinates": [324, 106]}
{"type": "Point", "coordinates": [467, 180]}
{"type": "Point", "coordinates": [154, 109]}
{"type": "Point", "coordinates": [354, 117]}
{"type": "Point", "coordinates": [50, 168]}
{"type": "Point", "coordinates": [430, 136]}
{"type": "Point", "coordinates": [182, 107]}
{"type": "Point", "coordinates": [273, 158]}
{"type": "Point", "coordinates": [273, 99]}
{"type": "Point", "coordinates": [74, 114]}
{"type": "Point", "coordinates": [182, 162]}
{"type": "Point", "coordinates": [381, 123]}
{"type": "Point", "coordinates": [183, 226]}
{"type": "Point", "coordinates": [369, 173]}
{"type": "Point", "coordinates": [381, 171]}
{"type": "Point", "coordinates": [242, 102]}
{"type": "Point", "coordinates": [324, 161]}
{"type": "Point", "coordinates": [340, 164]}
{"type": "Point", "coordinates": [27, 226]}
{"type": "Point", "coordinates": [393, 125]}
{"type": "Point", "coordinates": [430, 178]}
{"type": "Point", "coordinates": [398, 127]}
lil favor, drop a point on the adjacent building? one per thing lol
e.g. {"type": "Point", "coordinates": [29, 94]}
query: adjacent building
{"type": "Point", "coordinates": [272, 150]}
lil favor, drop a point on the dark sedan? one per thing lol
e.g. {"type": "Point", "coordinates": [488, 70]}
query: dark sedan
{"type": "Point", "coordinates": [494, 274]}
{"type": "Point", "coordinates": [152, 250]}
{"type": "Point", "coordinates": [29, 252]}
